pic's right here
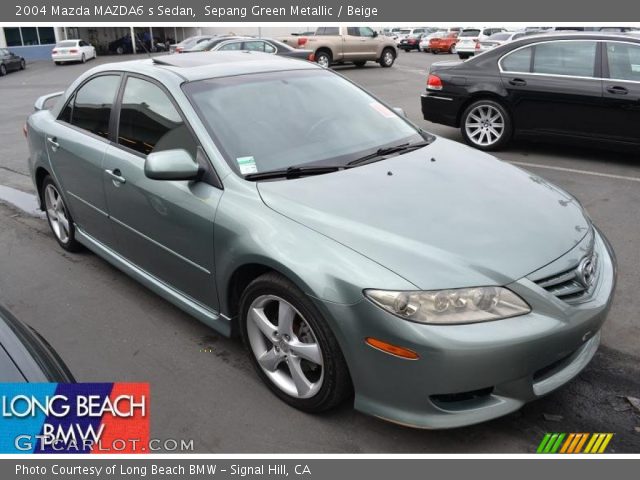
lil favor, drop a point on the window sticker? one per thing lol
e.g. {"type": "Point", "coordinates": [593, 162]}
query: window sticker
{"type": "Point", "coordinates": [382, 110]}
{"type": "Point", "coordinates": [247, 165]}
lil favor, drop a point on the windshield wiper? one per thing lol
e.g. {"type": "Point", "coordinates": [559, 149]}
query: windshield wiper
{"type": "Point", "coordinates": [381, 153]}
{"type": "Point", "coordinates": [293, 172]}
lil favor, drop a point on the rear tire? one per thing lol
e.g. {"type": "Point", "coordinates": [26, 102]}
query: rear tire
{"type": "Point", "coordinates": [23, 64]}
{"type": "Point", "coordinates": [58, 216]}
{"type": "Point", "coordinates": [83, 59]}
{"type": "Point", "coordinates": [486, 125]}
{"type": "Point", "coordinates": [275, 314]}
{"type": "Point", "coordinates": [323, 58]}
{"type": "Point", "coordinates": [388, 58]}
{"type": "Point", "coordinates": [3, 70]}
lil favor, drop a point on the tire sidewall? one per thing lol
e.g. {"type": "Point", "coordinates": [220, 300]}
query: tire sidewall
{"type": "Point", "coordinates": [274, 284]}
{"type": "Point", "coordinates": [382, 57]}
{"type": "Point", "coordinates": [326, 55]}
{"type": "Point", "coordinates": [508, 125]}
{"type": "Point", "coordinates": [3, 70]}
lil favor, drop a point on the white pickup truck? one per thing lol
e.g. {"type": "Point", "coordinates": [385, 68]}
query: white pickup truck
{"type": "Point", "coordinates": [356, 45]}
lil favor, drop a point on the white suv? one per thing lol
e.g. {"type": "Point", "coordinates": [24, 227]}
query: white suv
{"type": "Point", "coordinates": [466, 46]}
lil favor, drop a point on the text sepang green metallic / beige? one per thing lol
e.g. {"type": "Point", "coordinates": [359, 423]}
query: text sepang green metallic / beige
{"type": "Point", "coordinates": [354, 252]}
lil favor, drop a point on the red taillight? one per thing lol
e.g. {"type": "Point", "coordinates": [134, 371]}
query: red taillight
{"type": "Point", "coordinates": [179, 49]}
{"type": "Point", "coordinates": [24, 130]}
{"type": "Point", "coordinates": [73, 50]}
{"type": "Point", "coordinates": [302, 41]}
{"type": "Point", "coordinates": [311, 57]}
{"type": "Point", "coordinates": [477, 45]}
{"type": "Point", "coordinates": [54, 51]}
{"type": "Point", "coordinates": [434, 82]}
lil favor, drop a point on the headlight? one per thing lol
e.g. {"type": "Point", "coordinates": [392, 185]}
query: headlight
{"type": "Point", "coordinates": [454, 306]}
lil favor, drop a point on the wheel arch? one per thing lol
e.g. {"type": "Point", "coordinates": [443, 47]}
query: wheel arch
{"type": "Point", "coordinates": [492, 94]}
{"type": "Point", "coordinates": [40, 175]}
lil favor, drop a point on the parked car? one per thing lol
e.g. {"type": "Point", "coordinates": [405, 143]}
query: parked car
{"type": "Point", "coordinates": [338, 45]}
{"type": "Point", "coordinates": [10, 62]}
{"type": "Point", "coordinates": [569, 90]}
{"type": "Point", "coordinates": [468, 38]}
{"type": "Point", "coordinates": [411, 42]}
{"type": "Point", "coordinates": [25, 356]}
{"type": "Point", "coordinates": [501, 38]}
{"type": "Point", "coordinates": [425, 41]}
{"type": "Point", "coordinates": [72, 51]}
{"type": "Point", "coordinates": [246, 189]}
{"type": "Point", "coordinates": [189, 43]}
{"type": "Point", "coordinates": [266, 45]}
{"type": "Point", "coordinates": [210, 44]}
{"type": "Point", "coordinates": [444, 44]}
{"type": "Point", "coordinates": [410, 32]}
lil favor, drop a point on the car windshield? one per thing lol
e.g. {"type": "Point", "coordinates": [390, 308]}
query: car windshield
{"type": "Point", "coordinates": [501, 36]}
{"type": "Point", "coordinates": [404, 32]}
{"type": "Point", "coordinates": [276, 120]}
{"type": "Point", "coordinates": [69, 43]}
{"type": "Point", "coordinates": [470, 33]}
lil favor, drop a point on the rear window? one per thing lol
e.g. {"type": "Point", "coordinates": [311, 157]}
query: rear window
{"type": "Point", "coordinates": [470, 33]}
{"type": "Point", "coordinates": [500, 36]}
{"type": "Point", "coordinates": [67, 44]}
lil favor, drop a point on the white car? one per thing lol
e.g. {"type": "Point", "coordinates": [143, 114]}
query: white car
{"type": "Point", "coordinates": [408, 32]}
{"type": "Point", "coordinates": [468, 38]}
{"type": "Point", "coordinates": [501, 38]}
{"type": "Point", "coordinates": [72, 51]}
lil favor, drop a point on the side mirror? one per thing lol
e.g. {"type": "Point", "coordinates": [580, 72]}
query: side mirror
{"type": "Point", "coordinates": [174, 164]}
{"type": "Point", "coordinates": [375, 34]}
{"type": "Point", "coordinates": [400, 111]}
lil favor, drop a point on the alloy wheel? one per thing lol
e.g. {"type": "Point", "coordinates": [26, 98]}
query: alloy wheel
{"type": "Point", "coordinates": [57, 213]}
{"type": "Point", "coordinates": [323, 60]}
{"type": "Point", "coordinates": [285, 346]}
{"type": "Point", "coordinates": [3, 70]}
{"type": "Point", "coordinates": [484, 125]}
{"type": "Point", "coordinates": [387, 57]}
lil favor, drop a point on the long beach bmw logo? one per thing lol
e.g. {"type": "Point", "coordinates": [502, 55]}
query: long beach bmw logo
{"type": "Point", "coordinates": [586, 273]}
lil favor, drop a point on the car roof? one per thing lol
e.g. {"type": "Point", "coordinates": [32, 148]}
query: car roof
{"type": "Point", "coordinates": [575, 35]}
{"type": "Point", "coordinates": [203, 65]}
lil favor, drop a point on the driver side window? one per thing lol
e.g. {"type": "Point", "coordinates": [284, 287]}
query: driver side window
{"type": "Point", "coordinates": [149, 122]}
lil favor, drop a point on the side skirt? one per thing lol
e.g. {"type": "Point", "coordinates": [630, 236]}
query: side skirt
{"type": "Point", "coordinates": [209, 317]}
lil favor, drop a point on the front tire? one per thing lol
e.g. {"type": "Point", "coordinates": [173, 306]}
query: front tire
{"type": "Point", "coordinates": [23, 64]}
{"type": "Point", "coordinates": [290, 345]}
{"type": "Point", "coordinates": [387, 58]}
{"type": "Point", "coordinates": [3, 70]}
{"type": "Point", "coordinates": [58, 216]}
{"type": "Point", "coordinates": [83, 59]}
{"type": "Point", "coordinates": [486, 125]}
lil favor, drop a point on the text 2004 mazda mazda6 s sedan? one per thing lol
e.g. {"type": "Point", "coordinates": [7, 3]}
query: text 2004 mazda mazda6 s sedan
{"type": "Point", "coordinates": [351, 250]}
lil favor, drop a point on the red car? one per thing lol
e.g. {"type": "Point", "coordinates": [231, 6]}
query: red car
{"type": "Point", "coordinates": [444, 44]}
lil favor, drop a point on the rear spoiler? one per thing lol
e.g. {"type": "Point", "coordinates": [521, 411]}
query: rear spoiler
{"type": "Point", "coordinates": [41, 102]}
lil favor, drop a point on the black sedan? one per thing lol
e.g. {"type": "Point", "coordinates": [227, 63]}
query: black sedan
{"type": "Point", "coordinates": [580, 86]}
{"type": "Point", "coordinates": [27, 357]}
{"type": "Point", "coordinates": [9, 62]}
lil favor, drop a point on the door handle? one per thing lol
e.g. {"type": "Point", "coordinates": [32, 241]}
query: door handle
{"type": "Point", "coordinates": [617, 90]}
{"type": "Point", "coordinates": [517, 82]}
{"type": "Point", "coordinates": [116, 176]}
{"type": "Point", "coordinates": [53, 142]}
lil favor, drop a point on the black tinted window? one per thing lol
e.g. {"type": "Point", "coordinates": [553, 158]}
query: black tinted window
{"type": "Point", "coordinates": [90, 109]}
{"type": "Point", "coordinates": [149, 121]}
{"type": "Point", "coordinates": [624, 61]}
{"type": "Point", "coordinates": [565, 58]}
{"type": "Point", "coordinates": [518, 61]}
{"type": "Point", "coordinates": [353, 31]}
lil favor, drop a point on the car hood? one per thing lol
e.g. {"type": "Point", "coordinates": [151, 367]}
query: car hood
{"type": "Point", "coordinates": [444, 216]}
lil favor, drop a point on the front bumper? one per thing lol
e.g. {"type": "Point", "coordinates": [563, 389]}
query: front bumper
{"type": "Point", "coordinates": [468, 374]}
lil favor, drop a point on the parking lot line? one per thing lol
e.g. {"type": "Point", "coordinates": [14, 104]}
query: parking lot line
{"type": "Point", "coordinates": [575, 170]}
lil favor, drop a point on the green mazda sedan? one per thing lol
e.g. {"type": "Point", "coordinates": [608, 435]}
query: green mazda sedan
{"type": "Point", "coordinates": [356, 254]}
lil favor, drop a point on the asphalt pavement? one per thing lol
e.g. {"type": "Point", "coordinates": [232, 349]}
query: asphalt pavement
{"type": "Point", "coordinates": [109, 328]}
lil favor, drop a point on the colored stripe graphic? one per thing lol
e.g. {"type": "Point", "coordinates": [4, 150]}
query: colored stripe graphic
{"type": "Point", "coordinates": [574, 443]}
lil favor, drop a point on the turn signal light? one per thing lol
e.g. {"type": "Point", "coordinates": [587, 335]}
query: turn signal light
{"type": "Point", "coordinates": [434, 82]}
{"type": "Point", "coordinates": [394, 350]}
